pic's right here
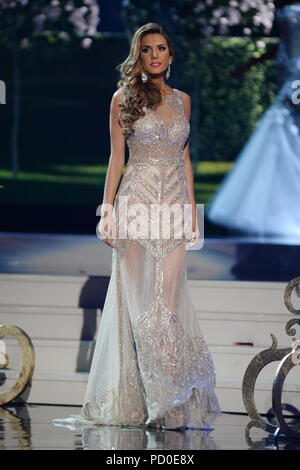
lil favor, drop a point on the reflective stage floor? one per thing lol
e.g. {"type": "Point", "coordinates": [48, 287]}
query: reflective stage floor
{"type": "Point", "coordinates": [30, 427]}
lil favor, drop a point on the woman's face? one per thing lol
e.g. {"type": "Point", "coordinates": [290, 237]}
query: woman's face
{"type": "Point", "coordinates": [154, 53]}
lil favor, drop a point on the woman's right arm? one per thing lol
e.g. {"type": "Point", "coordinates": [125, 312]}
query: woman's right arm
{"type": "Point", "coordinates": [115, 166]}
{"type": "Point", "coordinates": [117, 150]}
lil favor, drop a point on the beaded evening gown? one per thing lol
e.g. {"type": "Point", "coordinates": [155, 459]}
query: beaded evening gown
{"type": "Point", "coordinates": [261, 194]}
{"type": "Point", "coordinates": [151, 364]}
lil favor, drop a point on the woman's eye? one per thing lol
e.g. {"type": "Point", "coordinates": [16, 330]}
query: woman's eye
{"type": "Point", "coordinates": [161, 48]}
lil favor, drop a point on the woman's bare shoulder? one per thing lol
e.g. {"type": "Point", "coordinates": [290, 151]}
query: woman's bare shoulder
{"type": "Point", "coordinates": [185, 96]}
{"type": "Point", "coordinates": [119, 93]}
{"type": "Point", "coordinates": [186, 99]}
{"type": "Point", "coordinates": [117, 99]}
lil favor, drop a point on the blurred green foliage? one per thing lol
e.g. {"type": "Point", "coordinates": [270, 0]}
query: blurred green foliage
{"type": "Point", "coordinates": [229, 108]}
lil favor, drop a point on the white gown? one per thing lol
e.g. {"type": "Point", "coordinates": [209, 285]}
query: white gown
{"type": "Point", "coordinates": [151, 365]}
{"type": "Point", "coordinates": [261, 194]}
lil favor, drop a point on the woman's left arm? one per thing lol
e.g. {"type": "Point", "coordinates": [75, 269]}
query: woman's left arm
{"type": "Point", "coordinates": [189, 173]}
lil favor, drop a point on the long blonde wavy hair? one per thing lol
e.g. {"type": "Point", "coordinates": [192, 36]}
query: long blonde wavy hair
{"type": "Point", "coordinates": [137, 93]}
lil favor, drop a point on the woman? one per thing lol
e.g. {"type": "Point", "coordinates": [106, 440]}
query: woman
{"type": "Point", "coordinates": [151, 365]}
{"type": "Point", "coordinates": [260, 195]}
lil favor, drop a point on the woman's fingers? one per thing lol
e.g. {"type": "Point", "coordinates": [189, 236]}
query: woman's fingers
{"type": "Point", "coordinates": [106, 228]}
{"type": "Point", "coordinates": [109, 242]}
{"type": "Point", "coordinates": [194, 237]}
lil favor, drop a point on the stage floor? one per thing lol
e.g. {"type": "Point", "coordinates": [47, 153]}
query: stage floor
{"type": "Point", "coordinates": [30, 427]}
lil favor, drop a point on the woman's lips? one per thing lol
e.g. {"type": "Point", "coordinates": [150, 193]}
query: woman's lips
{"type": "Point", "coordinates": [155, 64]}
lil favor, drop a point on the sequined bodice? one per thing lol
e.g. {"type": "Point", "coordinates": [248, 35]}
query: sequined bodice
{"type": "Point", "coordinates": [155, 173]}
{"type": "Point", "coordinates": [161, 133]}
{"type": "Point", "coordinates": [288, 57]}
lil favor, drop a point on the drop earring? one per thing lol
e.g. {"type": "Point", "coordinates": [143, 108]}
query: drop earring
{"type": "Point", "coordinates": [144, 77]}
{"type": "Point", "coordinates": [168, 72]}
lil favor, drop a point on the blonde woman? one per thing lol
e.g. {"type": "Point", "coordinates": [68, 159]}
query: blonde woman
{"type": "Point", "coordinates": [151, 365]}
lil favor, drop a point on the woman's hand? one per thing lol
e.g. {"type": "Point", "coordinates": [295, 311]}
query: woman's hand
{"type": "Point", "coordinates": [194, 237]}
{"type": "Point", "coordinates": [107, 227]}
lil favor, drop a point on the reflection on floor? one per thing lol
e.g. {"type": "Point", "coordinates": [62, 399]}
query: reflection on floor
{"type": "Point", "coordinates": [30, 427]}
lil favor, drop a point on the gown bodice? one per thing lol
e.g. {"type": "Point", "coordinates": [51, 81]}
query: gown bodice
{"type": "Point", "coordinates": [160, 134]}
{"type": "Point", "coordinates": [288, 56]}
{"type": "Point", "coordinates": [155, 173]}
